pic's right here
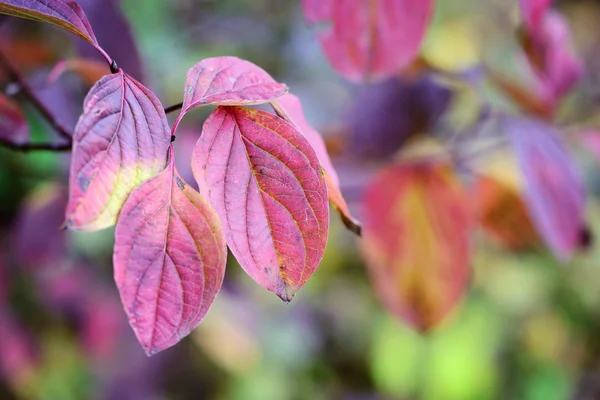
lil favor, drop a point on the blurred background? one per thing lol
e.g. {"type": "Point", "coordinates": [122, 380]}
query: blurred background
{"type": "Point", "coordinates": [528, 328]}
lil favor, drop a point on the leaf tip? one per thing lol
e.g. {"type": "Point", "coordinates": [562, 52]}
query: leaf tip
{"type": "Point", "coordinates": [287, 294]}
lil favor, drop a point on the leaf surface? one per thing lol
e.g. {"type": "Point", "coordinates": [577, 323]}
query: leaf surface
{"type": "Point", "coordinates": [289, 108]}
{"type": "Point", "coordinates": [169, 260]}
{"type": "Point", "coordinates": [228, 81]}
{"type": "Point", "coordinates": [13, 125]}
{"type": "Point", "coordinates": [370, 39]}
{"type": "Point", "coordinates": [264, 180]}
{"type": "Point", "coordinates": [533, 12]}
{"type": "Point", "coordinates": [121, 139]}
{"type": "Point", "coordinates": [554, 192]}
{"type": "Point", "coordinates": [416, 241]}
{"type": "Point", "coordinates": [66, 14]}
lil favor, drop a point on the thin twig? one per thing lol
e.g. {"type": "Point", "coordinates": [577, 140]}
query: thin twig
{"type": "Point", "coordinates": [174, 107]}
{"type": "Point", "coordinates": [16, 77]}
{"type": "Point", "coordinates": [27, 147]}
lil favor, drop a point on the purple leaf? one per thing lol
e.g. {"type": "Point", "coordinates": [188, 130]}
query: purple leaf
{"type": "Point", "coordinates": [121, 140]}
{"type": "Point", "coordinates": [368, 39]}
{"type": "Point", "coordinates": [554, 192]}
{"type": "Point", "coordinates": [533, 12]}
{"type": "Point", "coordinates": [228, 81]}
{"type": "Point", "coordinates": [264, 180]}
{"type": "Point", "coordinates": [67, 14]}
{"type": "Point", "coordinates": [169, 260]}
{"type": "Point", "coordinates": [13, 125]}
{"type": "Point", "coordinates": [289, 108]}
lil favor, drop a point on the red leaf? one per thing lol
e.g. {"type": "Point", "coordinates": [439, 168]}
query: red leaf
{"type": "Point", "coordinates": [121, 140]}
{"type": "Point", "coordinates": [554, 191]}
{"type": "Point", "coordinates": [169, 260]}
{"type": "Point", "coordinates": [228, 81]}
{"type": "Point", "coordinates": [67, 14]}
{"type": "Point", "coordinates": [289, 108]}
{"type": "Point", "coordinates": [416, 240]}
{"type": "Point", "coordinates": [265, 182]}
{"type": "Point", "coordinates": [370, 39]}
{"type": "Point", "coordinates": [13, 125]}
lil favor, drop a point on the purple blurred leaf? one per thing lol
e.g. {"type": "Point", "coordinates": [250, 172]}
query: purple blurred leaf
{"type": "Point", "coordinates": [265, 182]}
{"type": "Point", "coordinates": [37, 241]}
{"type": "Point", "coordinates": [114, 32]}
{"type": "Point", "coordinates": [554, 191]}
{"type": "Point", "coordinates": [169, 260]}
{"type": "Point", "coordinates": [384, 115]}
{"type": "Point", "coordinates": [368, 39]}
{"type": "Point", "coordinates": [121, 140]}
{"type": "Point", "coordinates": [533, 12]}
{"type": "Point", "coordinates": [19, 355]}
{"type": "Point", "coordinates": [13, 125]}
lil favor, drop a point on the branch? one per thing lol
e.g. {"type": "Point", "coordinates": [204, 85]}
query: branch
{"type": "Point", "coordinates": [27, 147]}
{"type": "Point", "coordinates": [15, 76]}
{"type": "Point", "coordinates": [174, 107]}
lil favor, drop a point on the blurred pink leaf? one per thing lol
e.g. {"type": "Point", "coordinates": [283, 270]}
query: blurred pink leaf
{"type": "Point", "coordinates": [533, 12]}
{"type": "Point", "coordinates": [264, 180]}
{"type": "Point", "coordinates": [370, 39]}
{"type": "Point", "coordinates": [19, 356]}
{"type": "Point", "coordinates": [289, 108]}
{"type": "Point", "coordinates": [416, 241]}
{"type": "Point", "coordinates": [169, 260]}
{"type": "Point", "coordinates": [228, 81]}
{"type": "Point", "coordinates": [13, 125]}
{"type": "Point", "coordinates": [554, 191]}
{"type": "Point", "coordinates": [121, 140]}
{"type": "Point", "coordinates": [66, 14]}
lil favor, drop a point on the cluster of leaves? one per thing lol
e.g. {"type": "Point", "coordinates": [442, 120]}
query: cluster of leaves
{"type": "Point", "coordinates": [264, 178]}
{"type": "Point", "coordinates": [419, 212]}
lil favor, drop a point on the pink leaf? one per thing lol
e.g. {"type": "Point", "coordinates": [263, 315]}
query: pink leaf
{"type": "Point", "coordinates": [265, 182]}
{"type": "Point", "coordinates": [228, 81]}
{"type": "Point", "coordinates": [416, 241]}
{"type": "Point", "coordinates": [289, 108]}
{"type": "Point", "coordinates": [533, 12]}
{"type": "Point", "coordinates": [554, 191]}
{"type": "Point", "coordinates": [121, 140]}
{"type": "Point", "coordinates": [67, 14]}
{"type": "Point", "coordinates": [169, 260]}
{"type": "Point", "coordinates": [370, 39]}
{"type": "Point", "coordinates": [13, 125]}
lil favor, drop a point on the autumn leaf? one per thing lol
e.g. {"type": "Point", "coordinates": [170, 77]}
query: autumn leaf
{"type": "Point", "coordinates": [90, 71]}
{"type": "Point", "coordinates": [169, 260]}
{"type": "Point", "coordinates": [369, 39]}
{"type": "Point", "coordinates": [121, 140]}
{"type": "Point", "coordinates": [66, 14]}
{"type": "Point", "coordinates": [264, 180]}
{"type": "Point", "coordinates": [289, 108]}
{"type": "Point", "coordinates": [416, 241]}
{"type": "Point", "coordinates": [554, 192]}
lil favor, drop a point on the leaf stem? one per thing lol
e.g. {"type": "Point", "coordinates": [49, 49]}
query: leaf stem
{"type": "Point", "coordinates": [16, 77]}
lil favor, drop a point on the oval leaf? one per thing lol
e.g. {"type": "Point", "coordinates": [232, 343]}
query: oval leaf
{"type": "Point", "coordinates": [554, 191]}
{"type": "Point", "coordinates": [229, 81]}
{"type": "Point", "coordinates": [169, 260]}
{"type": "Point", "coordinates": [121, 140]}
{"type": "Point", "coordinates": [289, 108]}
{"type": "Point", "coordinates": [265, 182]}
{"type": "Point", "coordinates": [13, 125]}
{"type": "Point", "coordinates": [370, 39]}
{"type": "Point", "coordinates": [66, 14]}
{"type": "Point", "coordinates": [416, 241]}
